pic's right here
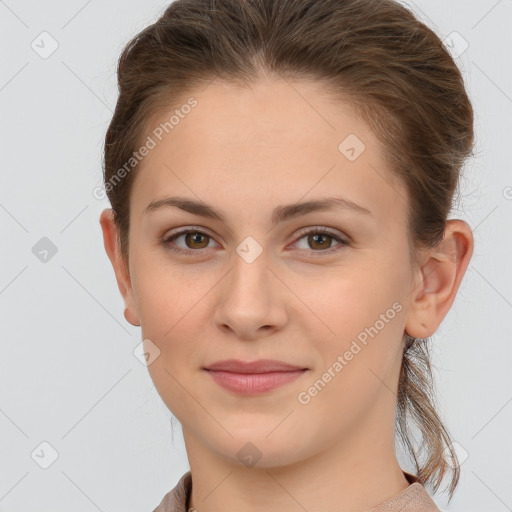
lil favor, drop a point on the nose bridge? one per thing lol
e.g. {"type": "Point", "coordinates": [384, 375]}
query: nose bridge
{"type": "Point", "coordinates": [249, 297]}
{"type": "Point", "coordinates": [250, 275]}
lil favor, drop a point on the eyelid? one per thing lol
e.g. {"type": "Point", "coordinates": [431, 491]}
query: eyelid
{"type": "Point", "coordinates": [321, 229]}
{"type": "Point", "coordinates": [184, 230]}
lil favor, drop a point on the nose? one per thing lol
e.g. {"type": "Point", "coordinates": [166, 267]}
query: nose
{"type": "Point", "coordinates": [252, 299]}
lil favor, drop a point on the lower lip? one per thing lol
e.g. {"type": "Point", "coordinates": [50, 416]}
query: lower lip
{"type": "Point", "coordinates": [253, 383]}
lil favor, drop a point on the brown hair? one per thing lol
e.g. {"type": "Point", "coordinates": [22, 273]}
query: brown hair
{"type": "Point", "coordinates": [377, 55]}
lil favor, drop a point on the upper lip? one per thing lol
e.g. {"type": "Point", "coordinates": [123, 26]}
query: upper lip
{"type": "Point", "coordinates": [259, 366]}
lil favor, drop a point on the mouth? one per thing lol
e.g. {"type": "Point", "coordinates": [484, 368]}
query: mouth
{"type": "Point", "coordinates": [253, 378]}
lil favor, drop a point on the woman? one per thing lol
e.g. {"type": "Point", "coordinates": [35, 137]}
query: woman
{"type": "Point", "coordinates": [281, 174]}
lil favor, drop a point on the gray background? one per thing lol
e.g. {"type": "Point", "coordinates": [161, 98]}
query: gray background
{"type": "Point", "coordinates": [68, 375]}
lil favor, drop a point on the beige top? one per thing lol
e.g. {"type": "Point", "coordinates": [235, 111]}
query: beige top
{"type": "Point", "coordinates": [412, 499]}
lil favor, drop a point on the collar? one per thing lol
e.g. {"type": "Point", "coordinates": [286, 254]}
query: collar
{"type": "Point", "coordinates": [413, 498]}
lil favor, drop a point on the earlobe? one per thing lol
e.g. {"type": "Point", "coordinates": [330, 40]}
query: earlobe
{"type": "Point", "coordinates": [131, 317]}
{"type": "Point", "coordinates": [441, 275]}
{"type": "Point", "coordinates": [110, 240]}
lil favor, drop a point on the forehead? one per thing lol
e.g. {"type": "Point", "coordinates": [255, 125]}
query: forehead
{"type": "Point", "coordinates": [273, 142]}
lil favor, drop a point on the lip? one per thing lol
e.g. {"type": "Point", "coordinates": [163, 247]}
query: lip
{"type": "Point", "coordinates": [259, 366]}
{"type": "Point", "coordinates": [253, 377]}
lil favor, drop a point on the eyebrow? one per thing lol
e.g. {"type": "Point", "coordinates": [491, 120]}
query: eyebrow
{"type": "Point", "coordinates": [280, 213]}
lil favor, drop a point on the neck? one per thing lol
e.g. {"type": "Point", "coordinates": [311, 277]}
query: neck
{"type": "Point", "coordinates": [356, 474]}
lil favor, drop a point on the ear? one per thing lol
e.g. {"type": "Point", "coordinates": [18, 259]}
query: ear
{"type": "Point", "coordinates": [112, 247]}
{"type": "Point", "coordinates": [439, 280]}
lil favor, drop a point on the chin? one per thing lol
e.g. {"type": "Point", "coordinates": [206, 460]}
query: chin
{"type": "Point", "coordinates": [258, 450]}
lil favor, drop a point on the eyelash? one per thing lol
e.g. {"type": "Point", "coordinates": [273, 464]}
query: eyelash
{"type": "Point", "coordinates": [170, 247]}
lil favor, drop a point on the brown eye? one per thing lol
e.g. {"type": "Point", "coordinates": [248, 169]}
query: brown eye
{"type": "Point", "coordinates": [322, 240]}
{"type": "Point", "coordinates": [194, 241]}
{"type": "Point", "coordinates": [193, 238]}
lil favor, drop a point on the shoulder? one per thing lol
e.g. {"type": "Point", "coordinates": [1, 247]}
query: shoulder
{"type": "Point", "coordinates": [414, 498]}
{"type": "Point", "coordinates": [176, 499]}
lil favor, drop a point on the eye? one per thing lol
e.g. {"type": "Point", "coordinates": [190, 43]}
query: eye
{"type": "Point", "coordinates": [194, 238]}
{"type": "Point", "coordinates": [319, 240]}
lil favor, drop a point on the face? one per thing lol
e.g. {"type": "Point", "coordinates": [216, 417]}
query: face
{"type": "Point", "coordinates": [326, 290]}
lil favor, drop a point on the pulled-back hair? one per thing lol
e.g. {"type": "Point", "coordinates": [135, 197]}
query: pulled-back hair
{"type": "Point", "coordinates": [376, 55]}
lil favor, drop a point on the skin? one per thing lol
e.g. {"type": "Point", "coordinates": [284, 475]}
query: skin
{"type": "Point", "coordinates": [245, 151]}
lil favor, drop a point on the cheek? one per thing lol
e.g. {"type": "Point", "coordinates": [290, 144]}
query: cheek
{"type": "Point", "coordinates": [362, 321]}
{"type": "Point", "coordinates": [165, 293]}
{"type": "Point", "coordinates": [175, 310]}
{"type": "Point", "coordinates": [346, 302]}
{"type": "Point", "coordinates": [359, 362]}
{"type": "Point", "coordinates": [170, 307]}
